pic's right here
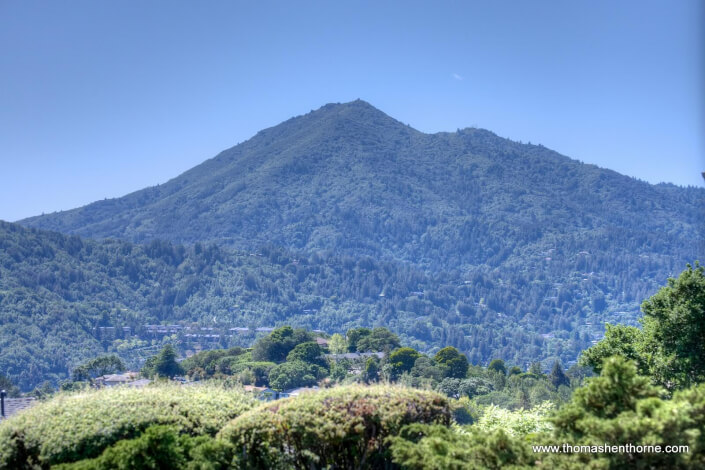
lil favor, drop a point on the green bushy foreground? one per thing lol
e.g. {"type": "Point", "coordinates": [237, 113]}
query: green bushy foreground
{"type": "Point", "coordinates": [176, 427]}
{"type": "Point", "coordinates": [72, 427]}
{"type": "Point", "coordinates": [345, 427]}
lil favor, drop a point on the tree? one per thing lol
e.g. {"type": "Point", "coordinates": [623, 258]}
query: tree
{"type": "Point", "coordinates": [674, 330]}
{"type": "Point", "coordinates": [163, 364]}
{"type": "Point", "coordinates": [309, 352]}
{"type": "Point", "coordinates": [557, 376]}
{"type": "Point", "coordinates": [430, 369]}
{"type": "Point", "coordinates": [456, 362]}
{"type": "Point", "coordinates": [354, 335]}
{"type": "Point", "coordinates": [402, 360]}
{"type": "Point", "coordinates": [337, 344]}
{"type": "Point", "coordinates": [619, 340]}
{"type": "Point", "coordinates": [7, 385]}
{"type": "Point", "coordinates": [671, 347]}
{"type": "Point", "coordinates": [295, 374]}
{"type": "Point", "coordinates": [497, 365]}
{"type": "Point", "coordinates": [276, 346]}
{"type": "Point", "coordinates": [621, 407]}
{"type": "Point", "coordinates": [379, 339]}
{"type": "Point", "coordinates": [450, 387]}
{"type": "Point", "coordinates": [371, 370]}
{"type": "Point", "coordinates": [616, 390]}
{"type": "Point", "coordinates": [474, 386]}
{"type": "Point", "coordinates": [101, 365]}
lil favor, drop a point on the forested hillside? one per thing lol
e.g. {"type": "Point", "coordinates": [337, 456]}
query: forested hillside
{"type": "Point", "coordinates": [57, 291]}
{"type": "Point", "coordinates": [345, 217]}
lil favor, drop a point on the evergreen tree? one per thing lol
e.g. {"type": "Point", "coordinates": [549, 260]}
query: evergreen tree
{"type": "Point", "coordinates": [163, 364]}
{"type": "Point", "coordinates": [557, 376]}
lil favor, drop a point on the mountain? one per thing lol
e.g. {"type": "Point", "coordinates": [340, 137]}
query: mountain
{"type": "Point", "coordinates": [349, 178]}
{"type": "Point", "coordinates": [346, 217]}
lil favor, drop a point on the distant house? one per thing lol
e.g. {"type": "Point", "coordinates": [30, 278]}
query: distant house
{"type": "Point", "coordinates": [322, 341]}
{"type": "Point", "coordinates": [357, 355]}
{"type": "Point", "coordinates": [15, 405]}
{"type": "Point", "coordinates": [112, 380]}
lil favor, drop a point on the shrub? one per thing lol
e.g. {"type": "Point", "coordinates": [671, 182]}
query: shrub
{"type": "Point", "coordinates": [422, 446]}
{"type": "Point", "coordinates": [516, 423]}
{"type": "Point", "coordinates": [73, 427]}
{"type": "Point", "coordinates": [343, 427]}
{"type": "Point", "coordinates": [160, 447]}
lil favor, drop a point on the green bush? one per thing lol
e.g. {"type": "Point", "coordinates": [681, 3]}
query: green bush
{"type": "Point", "coordinates": [72, 427]}
{"type": "Point", "coordinates": [343, 427]}
{"type": "Point", "coordinates": [160, 448]}
{"type": "Point", "coordinates": [422, 447]}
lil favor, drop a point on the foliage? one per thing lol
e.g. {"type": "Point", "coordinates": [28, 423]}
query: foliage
{"type": "Point", "coordinates": [309, 352]}
{"type": "Point", "coordinates": [72, 427]}
{"type": "Point", "coordinates": [422, 447]}
{"type": "Point", "coordinates": [456, 362]}
{"type": "Point", "coordinates": [354, 335]}
{"type": "Point", "coordinates": [279, 343]}
{"type": "Point", "coordinates": [337, 344]}
{"type": "Point", "coordinates": [343, 427]}
{"type": "Point", "coordinates": [670, 348]}
{"type": "Point", "coordinates": [674, 330]}
{"type": "Point", "coordinates": [425, 367]}
{"type": "Point", "coordinates": [10, 388]}
{"type": "Point", "coordinates": [295, 374]}
{"type": "Point", "coordinates": [379, 339]}
{"type": "Point", "coordinates": [472, 387]}
{"type": "Point", "coordinates": [101, 365]}
{"type": "Point", "coordinates": [619, 340]}
{"type": "Point", "coordinates": [372, 369]}
{"type": "Point", "coordinates": [403, 359]}
{"type": "Point", "coordinates": [557, 376]}
{"type": "Point", "coordinates": [497, 365]}
{"type": "Point", "coordinates": [616, 390]}
{"type": "Point", "coordinates": [515, 423]}
{"type": "Point", "coordinates": [160, 448]}
{"type": "Point", "coordinates": [163, 364]}
{"type": "Point", "coordinates": [620, 408]}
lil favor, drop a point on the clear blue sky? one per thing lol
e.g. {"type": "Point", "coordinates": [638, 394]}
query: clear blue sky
{"type": "Point", "coordinates": [98, 99]}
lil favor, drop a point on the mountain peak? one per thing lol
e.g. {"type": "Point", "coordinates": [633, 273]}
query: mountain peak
{"type": "Point", "coordinates": [359, 109]}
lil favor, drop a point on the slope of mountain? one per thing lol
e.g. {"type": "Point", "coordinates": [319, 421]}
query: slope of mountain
{"type": "Point", "coordinates": [351, 179]}
{"type": "Point", "coordinates": [499, 248]}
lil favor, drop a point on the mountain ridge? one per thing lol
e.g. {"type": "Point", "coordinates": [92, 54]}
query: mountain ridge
{"type": "Point", "coordinates": [344, 174]}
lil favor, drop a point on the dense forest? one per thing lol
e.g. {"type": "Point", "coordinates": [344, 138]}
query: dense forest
{"type": "Point", "coordinates": [58, 291]}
